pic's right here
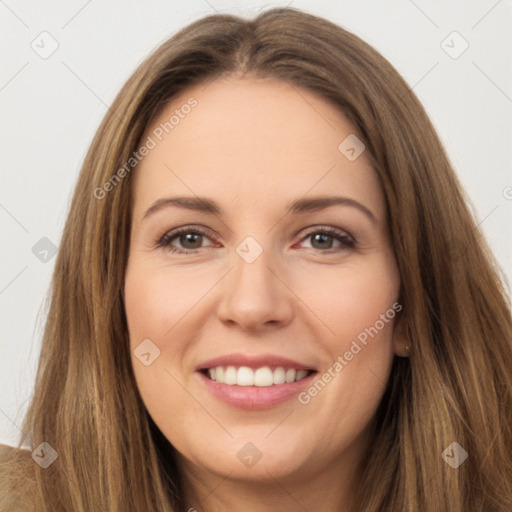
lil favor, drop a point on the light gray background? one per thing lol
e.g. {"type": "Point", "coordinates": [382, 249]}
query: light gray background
{"type": "Point", "coordinates": [51, 107]}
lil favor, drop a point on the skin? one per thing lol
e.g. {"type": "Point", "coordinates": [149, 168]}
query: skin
{"type": "Point", "coordinates": [254, 145]}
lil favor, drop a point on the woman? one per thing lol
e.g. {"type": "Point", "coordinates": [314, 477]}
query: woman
{"type": "Point", "coordinates": [254, 371]}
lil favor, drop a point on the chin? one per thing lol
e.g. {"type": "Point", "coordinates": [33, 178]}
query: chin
{"type": "Point", "coordinates": [249, 462]}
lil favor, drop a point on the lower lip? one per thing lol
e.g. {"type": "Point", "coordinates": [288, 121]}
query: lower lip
{"type": "Point", "coordinates": [254, 397]}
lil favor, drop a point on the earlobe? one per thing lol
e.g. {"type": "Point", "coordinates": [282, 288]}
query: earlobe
{"type": "Point", "coordinates": [402, 349]}
{"type": "Point", "coordinates": [401, 344]}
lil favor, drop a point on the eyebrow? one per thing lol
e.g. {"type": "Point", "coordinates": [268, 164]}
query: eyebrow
{"type": "Point", "coordinates": [299, 206]}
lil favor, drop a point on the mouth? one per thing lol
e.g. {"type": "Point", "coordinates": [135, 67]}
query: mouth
{"type": "Point", "coordinates": [263, 377]}
{"type": "Point", "coordinates": [254, 383]}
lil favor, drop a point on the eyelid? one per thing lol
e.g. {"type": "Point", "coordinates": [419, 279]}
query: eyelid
{"type": "Point", "coordinates": [324, 228]}
{"type": "Point", "coordinates": [339, 234]}
{"type": "Point", "coordinates": [173, 233]}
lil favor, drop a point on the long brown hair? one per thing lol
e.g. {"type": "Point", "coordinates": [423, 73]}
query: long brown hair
{"type": "Point", "coordinates": [455, 387]}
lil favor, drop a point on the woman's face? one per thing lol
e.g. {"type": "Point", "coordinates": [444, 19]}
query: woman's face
{"type": "Point", "coordinates": [290, 309]}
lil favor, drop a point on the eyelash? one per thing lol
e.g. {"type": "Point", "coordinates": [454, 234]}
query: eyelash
{"type": "Point", "coordinates": [346, 240]}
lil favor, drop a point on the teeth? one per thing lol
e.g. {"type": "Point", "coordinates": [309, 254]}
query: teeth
{"type": "Point", "coordinates": [230, 375]}
{"type": "Point", "coordinates": [301, 374]}
{"type": "Point", "coordinates": [261, 377]}
{"type": "Point", "coordinates": [290, 375]}
{"type": "Point", "coordinates": [279, 376]}
{"type": "Point", "coordinates": [245, 376]}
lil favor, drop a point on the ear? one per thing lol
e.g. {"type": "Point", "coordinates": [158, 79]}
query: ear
{"type": "Point", "coordinates": [401, 343]}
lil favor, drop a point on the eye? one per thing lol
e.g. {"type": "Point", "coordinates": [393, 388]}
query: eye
{"type": "Point", "coordinates": [191, 239]}
{"type": "Point", "coordinates": [322, 238]}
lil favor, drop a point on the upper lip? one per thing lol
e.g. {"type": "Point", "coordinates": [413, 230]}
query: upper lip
{"type": "Point", "coordinates": [271, 360]}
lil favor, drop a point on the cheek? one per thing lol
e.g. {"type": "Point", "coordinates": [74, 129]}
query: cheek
{"type": "Point", "coordinates": [358, 304]}
{"type": "Point", "coordinates": [155, 305]}
{"type": "Point", "coordinates": [152, 309]}
{"type": "Point", "coordinates": [163, 305]}
{"type": "Point", "coordinates": [352, 299]}
{"type": "Point", "coordinates": [157, 300]}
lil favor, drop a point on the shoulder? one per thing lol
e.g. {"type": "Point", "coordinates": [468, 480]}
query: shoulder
{"type": "Point", "coordinates": [6, 450]}
{"type": "Point", "coordinates": [17, 479]}
{"type": "Point", "coordinates": [11, 453]}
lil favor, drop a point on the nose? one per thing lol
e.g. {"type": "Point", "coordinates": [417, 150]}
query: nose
{"type": "Point", "coordinates": [255, 296]}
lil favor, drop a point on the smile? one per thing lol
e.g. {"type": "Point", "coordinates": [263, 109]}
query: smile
{"type": "Point", "coordinates": [259, 377]}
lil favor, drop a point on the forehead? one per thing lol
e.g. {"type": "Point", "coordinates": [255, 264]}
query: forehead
{"type": "Point", "coordinates": [252, 143]}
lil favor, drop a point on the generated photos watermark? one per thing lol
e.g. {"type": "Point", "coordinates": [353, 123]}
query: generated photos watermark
{"type": "Point", "coordinates": [157, 135]}
{"type": "Point", "coordinates": [343, 360]}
